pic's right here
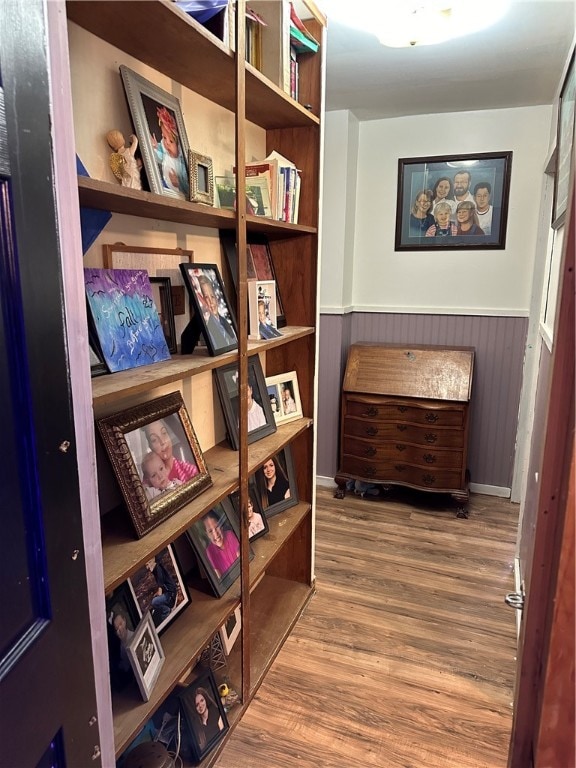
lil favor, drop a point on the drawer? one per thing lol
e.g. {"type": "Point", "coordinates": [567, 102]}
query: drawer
{"type": "Point", "coordinates": [399, 472]}
{"type": "Point", "coordinates": [374, 410]}
{"type": "Point", "coordinates": [402, 452]}
{"type": "Point", "coordinates": [380, 432]}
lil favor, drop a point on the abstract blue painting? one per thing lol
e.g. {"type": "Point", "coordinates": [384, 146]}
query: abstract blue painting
{"type": "Point", "coordinates": [125, 317]}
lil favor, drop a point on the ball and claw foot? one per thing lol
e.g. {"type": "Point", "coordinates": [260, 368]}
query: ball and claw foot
{"type": "Point", "coordinates": [462, 512]}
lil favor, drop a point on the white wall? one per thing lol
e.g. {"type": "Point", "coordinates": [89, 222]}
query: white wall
{"type": "Point", "coordinates": [494, 282]}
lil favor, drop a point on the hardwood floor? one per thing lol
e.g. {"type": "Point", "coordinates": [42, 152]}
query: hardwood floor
{"type": "Point", "coordinates": [405, 655]}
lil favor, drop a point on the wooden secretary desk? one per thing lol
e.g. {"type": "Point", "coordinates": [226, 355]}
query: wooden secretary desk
{"type": "Point", "coordinates": [405, 417]}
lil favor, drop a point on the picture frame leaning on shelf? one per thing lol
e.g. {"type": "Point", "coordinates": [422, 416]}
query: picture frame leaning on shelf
{"type": "Point", "coordinates": [146, 655]}
{"type": "Point", "coordinates": [284, 396]}
{"type": "Point", "coordinates": [276, 483]}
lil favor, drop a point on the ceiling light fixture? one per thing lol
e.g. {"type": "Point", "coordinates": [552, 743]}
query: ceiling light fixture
{"type": "Point", "coordinates": [408, 23]}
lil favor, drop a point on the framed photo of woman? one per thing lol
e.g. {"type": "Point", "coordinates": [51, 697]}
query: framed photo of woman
{"type": "Point", "coordinates": [276, 483]}
{"type": "Point", "coordinates": [204, 714]}
{"type": "Point", "coordinates": [257, 521]}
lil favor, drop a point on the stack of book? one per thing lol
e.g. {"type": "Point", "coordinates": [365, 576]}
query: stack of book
{"type": "Point", "coordinates": [276, 181]}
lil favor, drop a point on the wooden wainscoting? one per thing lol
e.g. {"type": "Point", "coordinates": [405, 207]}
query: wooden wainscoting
{"type": "Point", "coordinates": [405, 656]}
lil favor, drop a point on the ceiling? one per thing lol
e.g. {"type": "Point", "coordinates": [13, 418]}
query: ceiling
{"type": "Point", "coordinates": [517, 62]}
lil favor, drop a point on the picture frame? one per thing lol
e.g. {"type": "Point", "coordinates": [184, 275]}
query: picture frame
{"type": "Point", "coordinates": [122, 618]}
{"type": "Point", "coordinates": [284, 492]}
{"type": "Point", "coordinates": [128, 437]}
{"type": "Point", "coordinates": [201, 178]}
{"type": "Point", "coordinates": [259, 264]}
{"type": "Point", "coordinates": [478, 183]}
{"type": "Point", "coordinates": [159, 127]}
{"type": "Point", "coordinates": [162, 294]}
{"type": "Point", "coordinates": [230, 630]}
{"type": "Point", "coordinates": [146, 655]}
{"type": "Point", "coordinates": [564, 146]}
{"type": "Point", "coordinates": [213, 317]}
{"type": "Point", "coordinates": [215, 538]}
{"type": "Point", "coordinates": [125, 318]}
{"type": "Point", "coordinates": [257, 520]}
{"type": "Point", "coordinates": [262, 313]}
{"type": "Point", "coordinates": [260, 417]}
{"type": "Point", "coordinates": [283, 389]}
{"type": "Point", "coordinates": [203, 737]}
{"type": "Point", "coordinates": [160, 572]}
{"type": "Point", "coordinates": [97, 364]}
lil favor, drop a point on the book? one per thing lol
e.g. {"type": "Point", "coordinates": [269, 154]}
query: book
{"type": "Point", "coordinates": [300, 38]}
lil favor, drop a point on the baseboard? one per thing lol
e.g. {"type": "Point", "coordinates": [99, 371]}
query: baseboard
{"type": "Point", "coordinates": [487, 490]}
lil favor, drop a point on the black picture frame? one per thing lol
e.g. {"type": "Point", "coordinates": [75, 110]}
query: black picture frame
{"type": "Point", "coordinates": [205, 286]}
{"type": "Point", "coordinates": [203, 737]}
{"type": "Point", "coordinates": [275, 501]}
{"type": "Point", "coordinates": [257, 520]}
{"type": "Point", "coordinates": [259, 263]}
{"type": "Point", "coordinates": [162, 293]}
{"type": "Point", "coordinates": [155, 111]}
{"type": "Point", "coordinates": [161, 572]}
{"type": "Point", "coordinates": [425, 182]}
{"type": "Point", "coordinates": [97, 365]}
{"type": "Point", "coordinates": [122, 618]}
{"type": "Point", "coordinates": [260, 412]}
{"type": "Point", "coordinates": [128, 437]}
{"type": "Point", "coordinates": [221, 568]}
{"type": "Point", "coordinates": [564, 146]}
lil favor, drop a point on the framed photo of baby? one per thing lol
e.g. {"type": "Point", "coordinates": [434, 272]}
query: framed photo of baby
{"type": "Point", "coordinates": [156, 458]}
{"type": "Point", "coordinates": [159, 126]}
{"type": "Point", "coordinates": [453, 201]}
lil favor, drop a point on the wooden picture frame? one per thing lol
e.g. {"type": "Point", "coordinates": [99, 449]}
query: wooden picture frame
{"type": "Point", "coordinates": [125, 317]}
{"type": "Point", "coordinates": [203, 737]}
{"type": "Point", "coordinates": [564, 146]}
{"type": "Point", "coordinates": [284, 389]}
{"type": "Point", "coordinates": [138, 436]}
{"type": "Point", "coordinates": [162, 294]}
{"type": "Point", "coordinates": [259, 263]}
{"type": "Point", "coordinates": [213, 317]}
{"type": "Point", "coordinates": [215, 538]}
{"type": "Point", "coordinates": [284, 492]}
{"type": "Point", "coordinates": [201, 178]}
{"type": "Point", "coordinates": [478, 184]}
{"type": "Point", "coordinates": [122, 617]}
{"type": "Point", "coordinates": [160, 572]}
{"type": "Point", "coordinates": [146, 655]}
{"type": "Point", "coordinates": [262, 311]}
{"type": "Point", "coordinates": [260, 417]}
{"type": "Point", "coordinates": [257, 520]}
{"type": "Point", "coordinates": [159, 126]}
{"type": "Point", "coordinates": [230, 630]}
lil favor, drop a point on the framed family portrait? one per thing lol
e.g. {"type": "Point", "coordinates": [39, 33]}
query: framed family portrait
{"type": "Point", "coordinates": [122, 618]}
{"type": "Point", "coordinates": [284, 396]}
{"type": "Point", "coordinates": [204, 715]}
{"type": "Point", "coordinates": [212, 313]}
{"type": "Point", "coordinates": [159, 126]}
{"type": "Point", "coordinates": [276, 483]}
{"type": "Point", "coordinates": [453, 201]}
{"type": "Point", "coordinates": [158, 588]}
{"type": "Point", "coordinates": [201, 178]}
{"type": "Point", "coordinates": [257, 521]}
{"type": "Point", "coordinates": [156, 458]}
{"type": "Point", "coordinates": [564, 146]}
{"type": "Point", "coordinates": [215, 538]}
{"type": "Point", "coordinates": [259, 264]}
{"type": "Point", "coordinates": [260, 417]}
{"type": "Point", "coordinates": [146, 655]}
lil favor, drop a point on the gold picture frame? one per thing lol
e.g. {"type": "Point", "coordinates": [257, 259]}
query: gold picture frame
{"type": "Point", "coordinates": [201, 178]}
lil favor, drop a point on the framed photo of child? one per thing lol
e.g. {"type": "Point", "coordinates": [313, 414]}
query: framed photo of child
{"type": "Point", "coordinates": [156, 458]}
{"type": "Point", "coordinates": [159, 126]}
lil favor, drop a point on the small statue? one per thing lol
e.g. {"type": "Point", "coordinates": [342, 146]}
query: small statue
{"type": "Point", "coordinates": [122, 161]}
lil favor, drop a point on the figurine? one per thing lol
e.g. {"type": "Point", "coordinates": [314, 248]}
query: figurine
{"type": "Point", "coordinates": [122, 161]}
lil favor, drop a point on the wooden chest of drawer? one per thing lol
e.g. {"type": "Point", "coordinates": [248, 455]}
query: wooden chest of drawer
{"type": "Point", "coordinates": [404, 418]}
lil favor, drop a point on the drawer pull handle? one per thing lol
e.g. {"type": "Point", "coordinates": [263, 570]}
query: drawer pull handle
{"type": "Point", "coordinates": [400, 467]}
{"type": "Point", "coordinates": [371, 411]}
{"type": "Point", "coordinates": [401, 427]}
{"type": "Point", "coordinates": [400, 447]}
{"type": "Point", "coordinates": [370, 471]}
{"type": "Point", "coordinates": [430, 437]}
{"type": "Point", "coordinates": [428, 479]}
{"type": "Point", "coordinates": [429, 458]}
{"type": "Point", "coordinates": [431, 418]}
{"type": "Point", "coordinates": [402, 408]}
{"type": "Point", "coordinates": [370, 451]}
{"type": "Point", "coordinates": [371, 431]}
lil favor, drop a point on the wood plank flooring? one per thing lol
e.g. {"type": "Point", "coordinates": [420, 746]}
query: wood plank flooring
{"type": "Point", "coordinates": [405, 656]}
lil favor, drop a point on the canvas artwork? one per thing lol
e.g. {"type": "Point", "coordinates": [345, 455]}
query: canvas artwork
{"type": "Point", "coordinates": [125, 317]}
